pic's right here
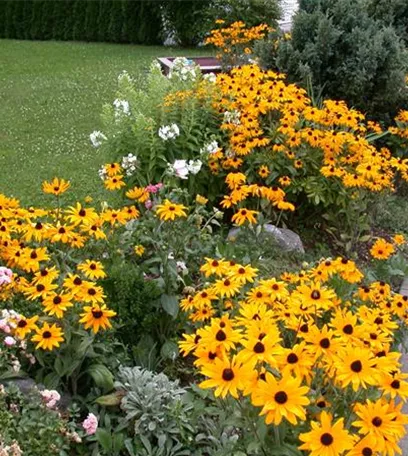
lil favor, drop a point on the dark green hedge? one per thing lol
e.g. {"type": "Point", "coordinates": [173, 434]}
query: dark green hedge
{"type": "Point", "coordinates": [119, 21]}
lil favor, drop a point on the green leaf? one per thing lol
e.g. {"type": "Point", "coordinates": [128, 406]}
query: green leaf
{"type": "Point", "coordinates": [169, 350]}
{"type": "Point", "coordinates": [170, 304]}
{"type": "Point", "coordinates": [101, 375]}
{"type": "Point", "coordinates": [110, 400]}
{"type": "Point", "coordinates": [104, 438]}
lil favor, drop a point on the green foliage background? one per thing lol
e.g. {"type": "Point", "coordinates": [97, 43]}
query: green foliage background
{"type": "Point", "coordinates": [119, 21]}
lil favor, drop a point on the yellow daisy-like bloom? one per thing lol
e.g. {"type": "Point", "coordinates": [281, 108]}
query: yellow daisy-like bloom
{"type": "Point", "coordinates": [56, 186]}
{"type": "Point", "coordinates": [139, 250]}
{"type": "Point", "coordinates": [25, 325]}
{"type": "Point", "coordinates": [48, 337]}
{"type": "Point", "coordinates": [114, 182]}
{"type": "Point", "coordinates": [91, 293]}
{"type": "Point", "coordinates": [214, 266]}
{"type": "Point", "coordinates": [244, 215]}
{"type": "Point", "coordinates": [169, 210]}
{"type": "Point", "coordinates": [201, 200]}
{"type": "Point", "coordinates": [382, 250]}
{"type": "Point", "coordinates": [399, 239]}
{"type": "Point", "coordinates": [228, 287]}
{"type": "Point", "coordinates": [263, 171]}
{"type": "Point", "coordinates": [356, 366]}
{"type": "Point", "coordinates": [97, 317]}
{"type": "Point", "coordinates": [57, 304]}
{"type": "Point", "coordinates": [80, 214]}
{"type": "Point", "coordinates": [284, 398]}
{"type": "Point", "coordinates": [284, 181]}
{"type": "Point", "coordinates": [138, 193]}
{"type": "Point", "coordinates": [227, 377]}
{"type": "Point", "coordinates": [112, 169]}
{"type": "Point", "coordinates": [92, 269]}
{"type": "Point", "coordinates": [326, 438]}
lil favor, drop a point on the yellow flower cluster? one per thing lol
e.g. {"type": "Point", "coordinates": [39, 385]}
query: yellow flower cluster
{"type": "Point", "coordinates": [43, 247]}
{"type": "Point", "coordinates": [227, 38]}
{"type": "Point", "coordinates": [298, 348]}
{"type": "Point", "coordinates": [382, 249]}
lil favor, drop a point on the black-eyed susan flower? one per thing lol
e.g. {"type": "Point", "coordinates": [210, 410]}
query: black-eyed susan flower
{"type": "Point", "coordinates": [263, 171]}
{"type": "Point", "coordinates": [114, 182]}
{"type": "Point", "coordinates": [56, 186]}
{"type": "Point", "coordinates": [57, 304]}
{"type": "Point", "coordinates": [227, 287]}
{"type": "Point", "coordinates": [138, 193]}
{"type": "Point", "coordinates": [327, 438]}
{"type": "Point", "coordinates": [80, 214]}
{"type": "Point", "coordinates": [92, 269]}
{"type": "Point", "coordinates": [91, 293]}
{"type": "Point", "coordinates": [382, 250]}
{"type": "Point", "coordinates": [170, 211]}
{"type": "Point", "coordinates": [281, 399]}
{"type": "Point", "coordinates": [97, 317]}
{"type": "Point", "coordinates": [213, 266]}
{"type": "Point", "coordinates": [226, 376]}
{"type": "Point", "coordinates": [244, 215]}
{"type": "Point", "coordinates": [48, 337]}
{"type": "Point", "coordinates": [139, 250]}
{"type": "Point", "coordinates": [25, 325]}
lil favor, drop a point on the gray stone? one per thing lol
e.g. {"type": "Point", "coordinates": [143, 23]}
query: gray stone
{"type": "Point", "coordinates": [25, 385]}
{"type": "Point", "coordinates": [286, 239]}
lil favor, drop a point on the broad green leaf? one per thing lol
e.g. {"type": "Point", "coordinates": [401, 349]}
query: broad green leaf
{"type": "Point", "coordinates": [101, 375]}
{"type": "Point", "coordinates": [170, 304]}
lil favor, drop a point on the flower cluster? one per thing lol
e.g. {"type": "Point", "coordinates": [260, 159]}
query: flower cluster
{"type": "Point", "coordinates": [97, 138]}
{"type": "Point", "coordinates": [129, 164]}
{"type": "Point", "coordinates": [312, 349]}
{"type": "Point", "coordinates": [182, 168]}
{"type": "Point", "coordinates": [382, 249]}
{"type": "Point", "coordinates": [184, 69]}
{"type": "Point", "coordinates": [33, 242]}
{"type": "Point", "coordinates": [121, 108]}
{"type": "Point", "coordinates": [167, 132]}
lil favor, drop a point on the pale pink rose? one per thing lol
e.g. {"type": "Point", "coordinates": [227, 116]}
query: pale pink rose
{"type": "Point", "coordinates": [4, 326]}
{"type": "Point", "coordinates": [148, 204]}
{"type": "Point", "coordinates": [90, 424]}
{"type": "Point", "coordinates": [50, 397]}
{"type": "Point", "coordinates": [10, 341]}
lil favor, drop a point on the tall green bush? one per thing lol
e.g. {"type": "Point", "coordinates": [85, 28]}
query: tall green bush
{"type": "Point", "coordinates": [347, 54]}
{"type": "Point", "coordinates": [392, 12]}
{"type": "Point", "coordinates": [82, 20]}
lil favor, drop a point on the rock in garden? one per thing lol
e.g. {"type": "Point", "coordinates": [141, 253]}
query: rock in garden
{"type": "Point", "coordinates": [286, 239]}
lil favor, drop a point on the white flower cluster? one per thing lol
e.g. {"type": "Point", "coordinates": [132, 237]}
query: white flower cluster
{"type": "Point", "coordinates": [182, 168]}
{"type": "Point", "coordinates": [121, 108]}
{"type": "Point", "coordinates": [210, 77]}
{"type": "Point", "coordinates": [125, 76]}
{"type": "Point", "coordinates": [97, 138]}
{"type": "Point", "coordinates": [129, 164]}
{"type": "Point", "coordinates": [103, 174]}
{"type": "Point", "coordinates": [210, 148]}
{"type": "Point", "coordinates": [167, 132]}
{"type": "Point", "coordinates": [183, 69]}
{"type": "Point", "coordinates": [232, 117]}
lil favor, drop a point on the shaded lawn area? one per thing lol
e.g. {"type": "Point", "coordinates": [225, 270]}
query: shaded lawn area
{"type": "Point", "coordinates": [51, 97]}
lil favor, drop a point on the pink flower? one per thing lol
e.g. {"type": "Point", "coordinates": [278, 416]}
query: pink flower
{"type": "Point", "coordinates": [90, 424]}
{"type": "Point", "coordinates": [51, 397]}
{"type": "Point", "coordinates": [5, 275]}
{"type": "Point", "coordinates": [10, 341]}
{"type": "Point", "coordinates": [148, 204]}
{"type": "Point", "coordinates": [154, 188]}
{"type": "Point", "coordinates": [4, 326]}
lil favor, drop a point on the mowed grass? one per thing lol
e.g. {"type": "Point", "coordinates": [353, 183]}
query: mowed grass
{"type": "Point", "coordinates": [51, 97]}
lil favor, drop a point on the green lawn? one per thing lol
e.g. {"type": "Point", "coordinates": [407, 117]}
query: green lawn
{"type": "Point", "coordinates": [51, 95]}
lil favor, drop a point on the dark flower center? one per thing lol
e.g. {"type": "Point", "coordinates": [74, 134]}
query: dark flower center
{"type": "Point", "coordinates": [57, 300]}
{"type": "Point", "coordinates": [46, 334]}
{"type": "Point", "coordinates": [356, 366]}
{"type": "Point", "coordinates": [33, 255]}
{"type": "Point", "coordinates": [215, 263]}
{"type": "Point", "coordinates": [77, 281]}
{"type": "Point", "coordinates": [227, 283]}
{"type": "Point", "coordinates": [378, 321]}
{"type": "Point", "coordinates": [197, 339]}
{"type": "Point", "coordinates": [292, 358]}
{"type": "Point", "coordinates": [40, 287]}
{"type": "Point", "coordinates": [212, 355]}
{"type": "Point", "coordinates": [227, 375]}
{"type": "Point", "coordinates": [61, 230]}
{"type": "Point", "coordinates": [281, 397]}
{"type": "Point", "coordinates": [22, 324]}
{"type": "Point", "coordinates": [367, 451]}
{"type": "Point", "coordinates": [325, 343]}
{"type": "Point", "coordinates": [326, 439]}
{"type": "Point", "coordinates": [348, 329]}
{"type": "Point", "coordinates": [304, 328]}
{"type": "Point", "coordinates": [220, 336]}
{"type": "Point", "coordinates": [97, 313]}
{"type": "Point", "coordinates": [259, 347]}
{"type": "Point", "coordinates": [321, 404]}
{"type": "Point", "coordinates": [82, 213]}
{"type": "Point", "coordinates": [395, 384]}
{"type": "Point", "coordinates": [275, 287]}
{"type": "Point", "coordinates": [376, 421]}
{"type": "Point", "coordinates": [92, 266]}
{"type": "Point", "coordinates": [259, 294]}
{"type": "Point", "coordinates": [315, 294]}
{"type": "Point", "coordinates": [92, 291]}
{"type": "Point", "coordinates": [172, 208]}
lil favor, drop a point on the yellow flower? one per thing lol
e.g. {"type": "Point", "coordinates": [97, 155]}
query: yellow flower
{"type": "Point", "coordinates": [139, 250]}
{"type": "Point", "coordinates": [382, 250]}
{"type": "Point", "coordinates": [48, 337]}
{"type": "Point", "coordinates": [56, 186]}
{"type": "Point", "coordinates": [244, 215]}
{"type": "Point", "coordinates": [169, 210]}
{"type": "Point", "coordinates": [97, 317]}
{"type": "Point", "coordinates": [399, 239]}
{"type": "Point", "coordinates": [201, 200]}
{"type": "Point", "coordinates": [92, 269]}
